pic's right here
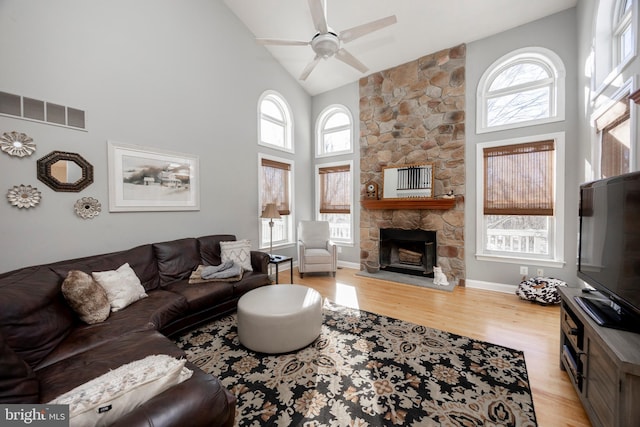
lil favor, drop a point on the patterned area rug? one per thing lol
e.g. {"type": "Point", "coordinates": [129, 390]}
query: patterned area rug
{"type": "Point", "coordinates": [368, 370]}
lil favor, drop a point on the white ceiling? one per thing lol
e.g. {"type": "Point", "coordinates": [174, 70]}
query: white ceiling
{"type": "Point", "coordinates": [423, 27]}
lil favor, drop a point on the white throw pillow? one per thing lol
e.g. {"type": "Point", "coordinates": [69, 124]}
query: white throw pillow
{"type": "Point", "coordinates": [238, 251]}
{"type": "Point", "coordinates": [105, 399]}
{"type": "Point", "coordinates": [122, 286]}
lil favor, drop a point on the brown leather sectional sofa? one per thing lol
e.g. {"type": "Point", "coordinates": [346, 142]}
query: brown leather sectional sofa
{"type": "Point", "coordinates": [45, 350]}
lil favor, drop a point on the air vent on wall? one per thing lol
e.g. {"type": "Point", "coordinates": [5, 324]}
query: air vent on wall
{"type": "Point", "coordinates": [41, 111]}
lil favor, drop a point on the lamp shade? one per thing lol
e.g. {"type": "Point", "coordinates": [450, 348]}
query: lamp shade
{"type": "Point", "coordinates": [270, 211]}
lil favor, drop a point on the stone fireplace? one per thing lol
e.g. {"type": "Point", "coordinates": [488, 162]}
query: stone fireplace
{"type": "Point", "coordinates": [408, 251]}
{"type": "Point", "coordinates": [413, 114]}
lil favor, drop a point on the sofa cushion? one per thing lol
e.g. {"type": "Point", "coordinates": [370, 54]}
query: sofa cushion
{"type": "Point", "coordinates": [141, 259]}
{"type": "Point", "coordinates": [122, 286]}
{"type": "Point", "coordinates": [34, 317]}
{"type": "Point", "coordinates": [86, 297]}
{"type": "Point", "coordinates": [18, 383]}
{"type": "Point", "coordinates": [176, 259]}
{"type": "Point", "coordinates": [238, 252]}
{"type": "Point", "coordinates": [106, 398]}
{"type": "Point", "coordinates": [210, 251]}
{"type": "Point", "coordinates": [154, 312]}
{"type": "Point", "coordinates": [203, 295]}
{"type": "Point", "coordinates": [250, 280]}
{"type": "Point", "coordinates": [56, 380]}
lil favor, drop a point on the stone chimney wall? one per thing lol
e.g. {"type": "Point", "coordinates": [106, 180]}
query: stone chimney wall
{"type": "Point", "coordinates": [415, 113]}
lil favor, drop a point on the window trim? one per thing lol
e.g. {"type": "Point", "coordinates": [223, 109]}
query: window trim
{"type": "Point", "coordinates": [539, 55]}
{"type": "Point", "coordinates": [605, 45]}
{"type": "Point", "coordinates": [620, 23]}
{"type": "Point", "coordinates": [350, 242]}
{"type": "Point", "coordinates": [557, 238]}
{"type": "Point", "coordinates": [322, 119]}
{"type": "Point", "coordinates": [289, 218]}
{"type": "Point", "coordinates": [285, 108]}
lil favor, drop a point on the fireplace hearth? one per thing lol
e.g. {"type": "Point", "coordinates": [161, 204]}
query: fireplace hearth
{"type": "Point", "coordinates": [408, 251]}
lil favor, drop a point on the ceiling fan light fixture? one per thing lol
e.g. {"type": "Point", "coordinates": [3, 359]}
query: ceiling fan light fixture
{"type": "Point", "coordinates": [326, 44]}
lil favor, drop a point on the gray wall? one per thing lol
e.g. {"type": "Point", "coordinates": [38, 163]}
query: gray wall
{"type": "Point", "coordinates": [153, 73]}
{"type": "Point", "coordinates": [557, 33]}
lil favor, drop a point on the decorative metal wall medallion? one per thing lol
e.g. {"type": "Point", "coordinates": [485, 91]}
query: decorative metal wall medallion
{"type": "Point", "coordinates": [17, 144]}
{"type": "Point", "coordinates": [87, 208]}
{"type": "Point", "coordinates": [24, 196]}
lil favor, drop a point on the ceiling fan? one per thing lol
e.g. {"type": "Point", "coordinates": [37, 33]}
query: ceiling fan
{"type": "Point", "coordinates": [327, 43]}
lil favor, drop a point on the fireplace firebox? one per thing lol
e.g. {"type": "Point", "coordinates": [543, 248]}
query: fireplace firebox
{"type": "Point", "coordinates": [408, 251]}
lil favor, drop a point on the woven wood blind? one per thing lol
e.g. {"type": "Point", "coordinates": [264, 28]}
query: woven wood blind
{"type": "Point", "coordinates": [335, 189]}
{"type": "Point", "coordinates": [275, 185]}
{"type": "Point", "coordinates": [615, 129]}
{"type": "Point", "coordinates": [518, 179]}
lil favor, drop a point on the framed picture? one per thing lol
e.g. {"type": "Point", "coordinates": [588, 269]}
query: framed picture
{"type": "Point", "coordinates": [151, 179]}
{"type": "Point", "coordinates": [408, 181]}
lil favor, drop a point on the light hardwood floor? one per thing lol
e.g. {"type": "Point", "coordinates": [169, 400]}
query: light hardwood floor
{"type": "Point", "coordinates": [495, 317]}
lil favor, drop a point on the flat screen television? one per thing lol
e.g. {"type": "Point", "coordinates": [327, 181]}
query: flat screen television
{"type": "Point", "coordinates": [609, 250]}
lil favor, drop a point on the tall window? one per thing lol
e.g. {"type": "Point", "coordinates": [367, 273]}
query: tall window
{"type": "Point", "coordinates": [523, 88]}
{"type": "Point", "coordinates": [623, 31]}
{"type": "Point", "coordinates": [335, 198]}
{"type": "Point", "coordinates": [614, 44]}
{"type": "Point", "coordinates": [517, 198]}
{"type": "Point", "coordinates": [275, 187]}
{"type": "Point", "coordinates": [614, 130]}
{"type": "Point", "coordinates": [276, 126]}
{"type": "Point", "coordinates": [334, 131]}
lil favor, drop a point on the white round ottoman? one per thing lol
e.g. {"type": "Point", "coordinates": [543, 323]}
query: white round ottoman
{"type": "Point", "coordinates": [279, 318]}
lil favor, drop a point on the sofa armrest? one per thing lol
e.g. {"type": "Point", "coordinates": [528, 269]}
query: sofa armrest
{"type": "Point", "coordinates": [201, 401]}
{"type": "Point", "coordinates": [260, 262]}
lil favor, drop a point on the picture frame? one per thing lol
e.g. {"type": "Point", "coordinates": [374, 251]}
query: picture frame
{"type": "Point", "coordinates": [151, 179]}
{"type": "Point", "coordinates": [409, 181]}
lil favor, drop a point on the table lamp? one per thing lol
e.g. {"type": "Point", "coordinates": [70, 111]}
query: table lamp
{"type": "Point", "coordinates": [270, 212]}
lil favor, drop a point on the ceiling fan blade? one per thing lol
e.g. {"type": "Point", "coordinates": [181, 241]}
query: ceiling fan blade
{"type": "Point", "coordinates": [349, 59]}
{"type": "Point", "coordinates": [318, 15]}
{"type": "Point", "coordinates": [276, 42]}
{"type": "Point", "coordinates": [356, 32]}
{"type": "Point", "coordinates": [309, 68]}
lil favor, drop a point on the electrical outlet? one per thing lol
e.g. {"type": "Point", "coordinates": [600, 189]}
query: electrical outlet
{"type": "Point", "coordinates": [540, 272]}
{"type": "Point", "coordinates": [524, 270]}
{"type": "Point", "coordinates": [339, 249]}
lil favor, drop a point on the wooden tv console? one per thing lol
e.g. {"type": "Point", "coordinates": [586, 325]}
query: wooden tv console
{"type": "Point", "coordinates": [603, 364]}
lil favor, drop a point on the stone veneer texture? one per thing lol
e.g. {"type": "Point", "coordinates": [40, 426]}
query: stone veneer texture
{"type": "Point", "coordinates": [415, 113]}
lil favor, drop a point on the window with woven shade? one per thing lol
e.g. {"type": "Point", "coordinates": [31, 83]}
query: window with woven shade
{"type": "Point", "coordinates": [335, 189]}
{"type": "Point", "coordinates": [520, 194]}
{"type": "Point", "coordinates": [275, 185]}
{"type": "Point", "coordinates": [519, 179]}
{"type": "Point", "coordinates": [614, 129]}
{"type": "Point", "coordinates": [335, 198]}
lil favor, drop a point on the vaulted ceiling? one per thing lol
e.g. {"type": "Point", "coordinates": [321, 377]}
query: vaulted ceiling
{"type": "Point", "coordinates": [423, 27]}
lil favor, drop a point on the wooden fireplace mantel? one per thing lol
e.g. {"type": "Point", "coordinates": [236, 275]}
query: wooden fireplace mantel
{"type": "Point", "coordinates": [441, 204]}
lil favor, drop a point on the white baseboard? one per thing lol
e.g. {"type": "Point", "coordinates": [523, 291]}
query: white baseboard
{"type": "Point", "coordinates": [490, 286]}
{"type": "Point", "coordinates": [347, 264]}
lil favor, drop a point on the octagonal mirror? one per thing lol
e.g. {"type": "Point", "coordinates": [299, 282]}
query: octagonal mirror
{"type": "Point", "coordinates": [64, 171]}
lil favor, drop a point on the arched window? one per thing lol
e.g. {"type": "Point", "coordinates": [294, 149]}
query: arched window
{"type": "Point", "coordinates": [275, 128]}
{"type": "Point", "coordinates": [523, 88]}
{"type": "Point", "coordinates": [334, 131]}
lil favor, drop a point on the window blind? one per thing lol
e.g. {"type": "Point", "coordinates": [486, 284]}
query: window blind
{"type": "Point", "coordinates": [335, 189]}
{"type": "Point", "coordinates": [614, 127]}
{"type": "Point", "coordinates": [518, 179]}
{"type": "Point", "coordinates": [275, 185]}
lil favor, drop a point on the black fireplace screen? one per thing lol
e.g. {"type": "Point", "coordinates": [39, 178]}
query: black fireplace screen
{"type": "Point", "coordinates": [408, 251]}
